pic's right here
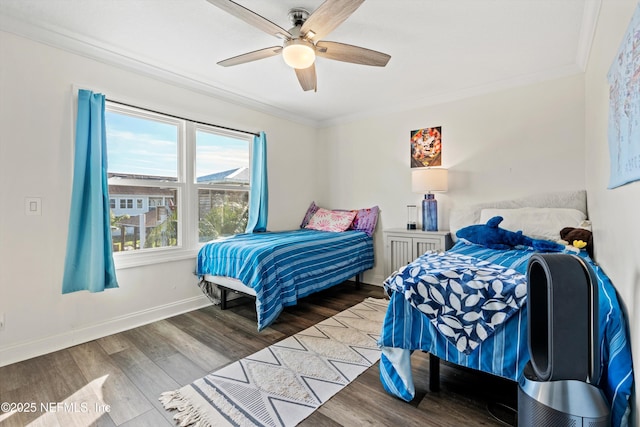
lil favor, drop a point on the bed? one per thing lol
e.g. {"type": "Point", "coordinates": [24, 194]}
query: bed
{"type": "Point", "coordinates": [498, 344]}
{"type": "Point", "coordinates": [280, 267]}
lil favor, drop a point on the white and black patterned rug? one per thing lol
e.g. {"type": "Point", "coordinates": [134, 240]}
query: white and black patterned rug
{"type": "Point", "coordinates": [284, 383]}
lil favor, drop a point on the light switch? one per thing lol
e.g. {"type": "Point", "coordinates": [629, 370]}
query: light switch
{"type": "Point", "coordinates": [33, 206]}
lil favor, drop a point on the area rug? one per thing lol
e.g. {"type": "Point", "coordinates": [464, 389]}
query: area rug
{"type": "Point", "coordinates": [284, 383]}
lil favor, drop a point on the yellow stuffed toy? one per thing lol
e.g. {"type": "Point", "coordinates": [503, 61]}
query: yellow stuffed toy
{"type": "Point", "coordinates": [580, 238]}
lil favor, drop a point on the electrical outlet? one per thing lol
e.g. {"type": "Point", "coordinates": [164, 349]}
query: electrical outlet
{"type": "Point", "coordinates": [1, 321]}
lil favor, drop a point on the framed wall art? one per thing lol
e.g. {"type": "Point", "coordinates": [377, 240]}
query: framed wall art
{"type": "Point", "coordinates": [426, 147]}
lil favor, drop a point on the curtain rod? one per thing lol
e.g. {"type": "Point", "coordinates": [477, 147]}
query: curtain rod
{"type": "Point", "coordinates": [182, 118]}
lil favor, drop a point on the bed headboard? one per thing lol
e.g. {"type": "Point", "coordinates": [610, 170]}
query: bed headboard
{"type": "Point", "coordinates": [467, 215]}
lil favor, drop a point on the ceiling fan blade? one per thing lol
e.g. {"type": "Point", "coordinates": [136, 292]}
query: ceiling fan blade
{"type": "Point", "coordinates": [328, 16]}
{"type": "Point", "coordinates": [307, 78]}
{"type": "Point", "coordinates": [354, 54]}
{"type": "Point", "coordinates": [251, 56]}
{"type": "Point", "coordinates": [251, 18]}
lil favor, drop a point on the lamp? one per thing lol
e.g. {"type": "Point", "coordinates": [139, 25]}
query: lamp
{"type": "Point", "coordinates": [425, 181]}
{"type": "Point", "coordinates": [298, 53]}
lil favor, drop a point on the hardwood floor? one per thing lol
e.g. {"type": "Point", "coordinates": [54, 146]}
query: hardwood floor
{"type": "Point", "coordinates": [116, 380]}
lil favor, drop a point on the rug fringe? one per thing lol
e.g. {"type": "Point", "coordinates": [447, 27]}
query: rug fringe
{"type": "Point", "coordinates": [188, 415]}
{"type": "Point", "coordinates": [214, 400]}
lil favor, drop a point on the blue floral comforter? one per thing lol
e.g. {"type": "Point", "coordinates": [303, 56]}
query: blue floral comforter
{"type": "Point", "coordinates": [465, 298]}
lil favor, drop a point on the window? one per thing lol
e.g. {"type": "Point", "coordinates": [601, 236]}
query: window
{"type": "Point", "coordinates": [173, 183]}
{"type": "Point", "coordinates": [126, 204]}
{"type": "Point", "coordinates": [222, 180]}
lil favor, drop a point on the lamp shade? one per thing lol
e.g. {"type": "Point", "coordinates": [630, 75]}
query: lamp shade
{"type": "Point", "coordinates": [298, 53]}
{"type": "Point", "coordinates": [428, 180]}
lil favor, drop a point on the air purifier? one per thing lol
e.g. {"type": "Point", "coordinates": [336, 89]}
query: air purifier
{"type": "Point", "coordinates": [559, 384]}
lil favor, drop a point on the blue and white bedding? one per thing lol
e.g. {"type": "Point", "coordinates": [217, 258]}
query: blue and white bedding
{"type": "Point", "coordinates": [286, 265]}
{"type": "Point", "coordinates": [465, 298]}
{"type": "Point", "coordinates": [503, 351]}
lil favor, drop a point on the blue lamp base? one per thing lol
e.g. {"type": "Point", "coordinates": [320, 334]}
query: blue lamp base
{"type": "Point", "coordinates": [429, 213]}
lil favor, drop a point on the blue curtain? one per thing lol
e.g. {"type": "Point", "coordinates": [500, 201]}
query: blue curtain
{"type": "Point", "coordinates": [259, 195]}
{"type": "Point", "coordinates": [89, 260]}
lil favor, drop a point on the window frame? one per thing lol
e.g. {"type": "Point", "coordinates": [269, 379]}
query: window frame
{"type": "Point", "coordinates": [186, 187]}
{"type": "Point", "coordinates": [198, 186]}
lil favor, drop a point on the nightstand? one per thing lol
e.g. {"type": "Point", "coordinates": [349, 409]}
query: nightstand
{"type": "Point", "coordinates": [402, 246]}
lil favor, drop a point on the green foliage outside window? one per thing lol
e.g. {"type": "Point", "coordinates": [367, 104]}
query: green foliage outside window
{"type": "Point", "coordinates": [222, 213]}
{"type": "Point", "coordinates": [165, 234]}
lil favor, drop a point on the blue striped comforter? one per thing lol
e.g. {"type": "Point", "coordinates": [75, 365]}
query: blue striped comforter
{"type": "Point", "coordinates": [286, 265]}
{"type": "Point", "coordinates": [505, 353]}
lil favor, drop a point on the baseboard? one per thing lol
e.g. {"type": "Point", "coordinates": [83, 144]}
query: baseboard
{"type": "Point", "coordinates": [27, 350]}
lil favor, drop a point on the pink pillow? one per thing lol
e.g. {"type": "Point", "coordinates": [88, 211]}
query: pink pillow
{"type": "Point", "coordinates": [366, 220]}
{"type": "Point", "coordinates": [327, 220]}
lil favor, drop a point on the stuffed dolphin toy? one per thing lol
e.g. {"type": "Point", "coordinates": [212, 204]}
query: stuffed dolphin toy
{"type": "Point", "coordinates": [494, 237]}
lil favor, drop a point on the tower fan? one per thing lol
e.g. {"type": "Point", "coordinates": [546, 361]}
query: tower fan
{"type": "Point", "coordinates": [558, 387]}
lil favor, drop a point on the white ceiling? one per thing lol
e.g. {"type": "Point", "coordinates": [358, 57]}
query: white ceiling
{"type": "Point", "coordinates": [440, 50]}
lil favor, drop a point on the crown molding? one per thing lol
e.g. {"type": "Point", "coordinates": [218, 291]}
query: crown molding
{"type": "Point", "coordinates": [587, 33]}
{"type": "Point", "coordinates": [414, 103]}
{"type": "Point", "coordinates": [70, 42]}
{"type": "Point", "coordinates": [91, 49]}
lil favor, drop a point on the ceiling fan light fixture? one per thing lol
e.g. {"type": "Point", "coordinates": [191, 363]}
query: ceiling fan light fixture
{"type": "Point", "coordinates": [305, 40]}
{"type": "Point", "coordinates": [298, 53]}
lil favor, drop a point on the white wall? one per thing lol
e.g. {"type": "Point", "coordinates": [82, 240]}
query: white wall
{"type": "Point", "coordinates": [498, 146]}
{"type": "Point", "coordinates": [614, 212]}
{"type": "Point", "coordinates": [544, 137]}
{"type": "Point", "coordinates": [36, 129]}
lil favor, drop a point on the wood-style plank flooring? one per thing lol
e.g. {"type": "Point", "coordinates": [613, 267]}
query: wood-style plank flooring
{"type": "Point", "coordinates": [116, 380]}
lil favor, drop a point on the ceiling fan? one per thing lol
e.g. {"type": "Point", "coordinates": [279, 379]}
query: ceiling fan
{"type": "Point", "coordinates": [303, 42]}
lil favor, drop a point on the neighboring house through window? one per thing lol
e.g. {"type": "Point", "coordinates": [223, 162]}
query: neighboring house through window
{"type": "Point", "coordinates": [173, 183]}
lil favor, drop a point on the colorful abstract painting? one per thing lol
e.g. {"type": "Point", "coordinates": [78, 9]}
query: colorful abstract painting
{"type": "Point", "coordinates": [426, 147]}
